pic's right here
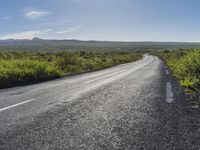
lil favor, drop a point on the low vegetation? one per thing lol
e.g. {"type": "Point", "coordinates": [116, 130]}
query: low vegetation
{"type": "Point", "coordinates": [185, 65]}
{"type": "Point", "coordinates": [20, 68]}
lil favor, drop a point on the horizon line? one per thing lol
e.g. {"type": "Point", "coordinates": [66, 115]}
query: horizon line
{"type": "Point", "coordinates": [129, 41]}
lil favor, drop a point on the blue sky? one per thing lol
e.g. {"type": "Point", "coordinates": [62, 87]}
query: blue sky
{"type": "Point", "coordinates": [109, 20]}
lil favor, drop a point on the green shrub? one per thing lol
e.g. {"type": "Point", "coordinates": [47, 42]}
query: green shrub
{"type": "Point", "coordinates": [14, 72]}
{"type": "Point", "coordinates": [187, 69]}
{"type": "Point", "coordinates": [19, 68]}
{"type": "Point", "coordinates": [185, 65]}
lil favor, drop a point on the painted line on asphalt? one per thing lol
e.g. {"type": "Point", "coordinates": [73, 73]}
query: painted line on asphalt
{"type": "Point", "coordinates": [117, 72]}
{"type": "Point", "coordinates": [152, 59]}
{"type": "Point", "coordinates": [55, 85]}
{"type": "Point", "coordinates": [122, 66]}
{"type": "Point", "coordinates": [15, 105]}
{"type": "Point", "coordinates": [104, 76]}
{"type": "Point", "coordinates": [95, 75]}
{"type": "Point", "coordinates": [169, 92]}
{"type": "Point", "coordinates": [106, 72]}
{"type": "Point", "coordinates": [167, 72]}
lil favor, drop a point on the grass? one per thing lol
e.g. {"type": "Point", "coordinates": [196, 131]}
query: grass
{"type": "Point", "coordinates": [21, 68]}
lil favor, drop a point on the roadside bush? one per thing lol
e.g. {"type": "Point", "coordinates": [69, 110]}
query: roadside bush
{"type": "Point", "coordinates": [20, 68]}
{"type": "Point", "coordinates": [15, 72]}
{"type": "Point", "coordinates": [185, 65]}
{"type": "Point", "coordinates": [187, 69]}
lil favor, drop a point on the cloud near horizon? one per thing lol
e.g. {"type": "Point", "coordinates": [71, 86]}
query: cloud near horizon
{"type": "Point", "coordinates": [25, 34]}
{"type": "Point", "coordinates": [39, 33]}
{"type": "Point", "coordinates": [70, 29]}
{"type": "Point", "coordinates": [35, 14]}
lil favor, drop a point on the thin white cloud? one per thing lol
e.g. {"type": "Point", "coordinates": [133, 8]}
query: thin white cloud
{"type": "Point", "coordinates": [33, 14]}
{"type": "Point", "coordinates": [47, 30]}
{"type": "Point", "coordinates": [56, 23]}
{"type": "Point", "coordinates": [5, 18]}
{"type": "Point", "coordinates": [25, 34]}
{"type": "Point", "coordinates": [70, 29]}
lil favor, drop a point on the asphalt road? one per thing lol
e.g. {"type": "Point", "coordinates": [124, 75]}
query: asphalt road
{"type": "Point", "coordinates": [132, 106]}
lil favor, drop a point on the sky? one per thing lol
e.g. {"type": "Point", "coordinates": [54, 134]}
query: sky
{"type": "Point", "coordinates": [105, 20]}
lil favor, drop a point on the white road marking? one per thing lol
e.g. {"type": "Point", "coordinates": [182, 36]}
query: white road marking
{"type": "Point", "coordinates": [167, 72]}
{"type": "Point", "coordinates": [122, 66]}
{"type": "Point", "coordinates": [169, 93]}
{"type": "Point", "coordinates": [152, 59]}
{"type": "Point", "coordinates": [15, 105]}
{"type": "Point", "coordinates": [54, 85]}
{"type": "Point", "coordinates": [104, 76]}
{"type": "Point", "coordinates": [99, 74]}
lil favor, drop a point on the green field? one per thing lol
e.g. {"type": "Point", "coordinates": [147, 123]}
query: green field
{"type": "Point", "coordinates": [21, 68]}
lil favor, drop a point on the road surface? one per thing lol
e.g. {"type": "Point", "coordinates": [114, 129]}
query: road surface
{"type": "Point", "coordinates": [131, 106]}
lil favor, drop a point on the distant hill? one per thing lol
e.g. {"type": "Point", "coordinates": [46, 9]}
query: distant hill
{"type": "Point", "coordinates": [37, 44]}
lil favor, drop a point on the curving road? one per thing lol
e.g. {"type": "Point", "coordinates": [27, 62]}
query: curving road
{"type": "Point", "coordinates": [132, 106]}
